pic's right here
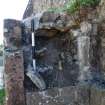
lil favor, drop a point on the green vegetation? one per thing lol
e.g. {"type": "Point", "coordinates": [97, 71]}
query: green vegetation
{"type": "Point", "coordinates": [2, 96]}
{"type": "Point", "coordinates": [74, 5]}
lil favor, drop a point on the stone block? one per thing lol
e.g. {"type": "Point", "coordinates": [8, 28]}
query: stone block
{"type": "Point", "coordinates": [97, 96]}
{"type": "Point", "coordinates": [72, 95]}
{"type": "Point", "coordinates": [14, 79]}
{"type": "Point", "coordinates": [43, 5]}
{"type": "Point", "coordinates": [12, 34]}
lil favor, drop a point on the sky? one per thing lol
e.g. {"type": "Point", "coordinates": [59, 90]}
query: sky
{"type": "Point", "coordinates": [11, 9]}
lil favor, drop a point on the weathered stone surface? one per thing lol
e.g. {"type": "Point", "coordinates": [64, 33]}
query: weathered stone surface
{"type": "Point", "coordinates": [50, 23]}
{"type": "Point", "coordinates": [36, 6]}
{"type": "Point", "coordinates": [102, 45]}
{"type": "Point", "coordinates": [47, 33]}
{"type": "Point", "coordinates": [60, 45]}
{"type": "Point", "coordinates": [73, 95]}
{"type": "Point", "coordinates": [49, 16]}
{"type": "Point", "coordinates": [97, 96]}
{"type": "Point", "coordinates": [61, 22]}
{"type": "Point", "coordinates": [59, 64]}
{"type": "Point", "coordinates": [29, 10]}
{"type": "Point", "coordinates": [12, 34]}
{"type": "Point", "coordinates": [14, 65]}
{"type": "Point", "coordinates": [39, 5]}
{"type": "Point", "coordinates": [95, 46]}
{"type": "Point", "coordinates": [14, 78]}
{"type": "Point", "coordinates": [102, 10]}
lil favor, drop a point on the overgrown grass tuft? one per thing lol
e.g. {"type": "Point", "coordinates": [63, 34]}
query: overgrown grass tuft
{"type": "Point", "coordinates": [2, 96]}
{"type": "Point", "coordinates": [74, 5]}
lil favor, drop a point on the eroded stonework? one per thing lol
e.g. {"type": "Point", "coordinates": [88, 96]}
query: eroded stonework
{"type": "Point", "coordinates": [69, 57]}
{"type": "Point", "coordinates": [37, 6]}
{"type": "Point", "coordinates": [14, 64]}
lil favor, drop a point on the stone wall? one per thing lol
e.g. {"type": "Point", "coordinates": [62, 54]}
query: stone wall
{"type": "Point", "coordinates": [102, 38]}
{"type": "Point", "coordinates": [58, 65]}
{"type": "Point", "coordinates": [73, 95]}
{"type": "Point", "coordinates": [14, 63]}
{"type": "Point", "coordinates": [37, 6]}
{"type": "Point", "coordinates": [60, 96]}
{"type": "Point", "coordinates": [42, 5]}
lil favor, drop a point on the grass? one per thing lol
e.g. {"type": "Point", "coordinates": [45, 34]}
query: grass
{"type": "Point", "coordinates": [74, 5]}
{"type": "Point", "coordinates": [2, 96]}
